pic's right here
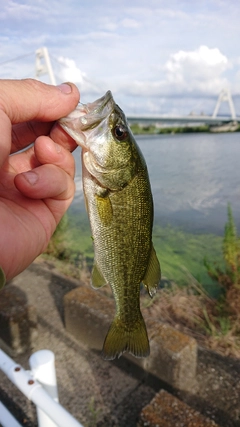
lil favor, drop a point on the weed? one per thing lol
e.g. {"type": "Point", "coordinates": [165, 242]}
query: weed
{"type": "Point", "coordinates": [93, 413]}
{"type": "Point", "coordinates": [229, 276]}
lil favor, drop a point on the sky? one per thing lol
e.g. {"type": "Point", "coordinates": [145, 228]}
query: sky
{"type": "Point", "coordinates": [157, 57]}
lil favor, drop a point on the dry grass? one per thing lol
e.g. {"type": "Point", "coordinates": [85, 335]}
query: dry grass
{"type": "Point", "coordinates": [192, 311]}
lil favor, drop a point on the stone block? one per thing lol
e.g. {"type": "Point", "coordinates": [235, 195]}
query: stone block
{"type": "Point", "coordinates": [18, 321]}
{"type": "Point", "coordinates": [166, 410]}
{"type": "Point", "coordinates": [173, 356]}
{"type": "Point", "coordinates": [88, 315]}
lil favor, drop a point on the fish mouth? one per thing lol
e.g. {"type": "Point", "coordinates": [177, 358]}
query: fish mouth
{"type": "Point", "coordinates": [87, 116]}
{"type": "Point", "coordinates": [100, 105]}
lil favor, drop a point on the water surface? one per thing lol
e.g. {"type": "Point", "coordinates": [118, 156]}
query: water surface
{"type": "Point", "coordinates": [193, 177]}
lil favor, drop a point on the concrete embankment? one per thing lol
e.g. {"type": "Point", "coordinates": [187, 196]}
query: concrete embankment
{"type": "Point", "coordinates": [178, 385]}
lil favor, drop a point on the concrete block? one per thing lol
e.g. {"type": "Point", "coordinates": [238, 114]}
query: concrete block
{"type": "Point", "coordinates": [166, 410]}
{"type": "Point", "coordinates": [18, 321]}
{"type": "Point", "coordinates": [88, 315]}
{"type": "Point", "coordinates": [173, 356]}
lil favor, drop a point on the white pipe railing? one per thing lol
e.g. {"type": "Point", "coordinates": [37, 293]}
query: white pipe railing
{"type": "Point", "coordinates": [6, 418]}
{"type": "Point", "coordinates": [42, 364]}
{"type": "Point", "coordinates": [54, 413]}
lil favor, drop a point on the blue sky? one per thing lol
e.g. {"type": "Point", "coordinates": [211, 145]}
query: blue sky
{"type": "Point", "coordinates": [161, 57]}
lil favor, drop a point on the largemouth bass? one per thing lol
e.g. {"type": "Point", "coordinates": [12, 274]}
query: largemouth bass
{"type": "Point", "coordinates": [120, 207]}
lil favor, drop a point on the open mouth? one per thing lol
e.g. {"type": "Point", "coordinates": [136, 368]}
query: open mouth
{"type": "Point", "coordinates": [86, 113]}
{"type": "Point", "coordinates": [87, 116]}
{"type": "Point", "coordinates": [98, 106]}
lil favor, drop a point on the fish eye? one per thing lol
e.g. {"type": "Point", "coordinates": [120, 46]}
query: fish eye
{"type": "Point", "coordinates": [120, 132]}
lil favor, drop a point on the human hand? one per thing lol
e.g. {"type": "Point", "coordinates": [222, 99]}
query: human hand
{"type": "Point", "coordinates": [36, 185]}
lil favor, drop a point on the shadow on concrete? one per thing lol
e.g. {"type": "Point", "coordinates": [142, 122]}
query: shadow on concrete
{"type": "Point", "coordinates": [18, 321]}
{"type": "Point", "coordinates": [58, 285]}
{"type": "Point", "coordinates": [17, 411]}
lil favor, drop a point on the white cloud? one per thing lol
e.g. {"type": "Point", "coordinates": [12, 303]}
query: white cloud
{"type": "Point", "coordinates": [112, 24]}
{"type": "Point", "coordinates": [130, 23]}
{"type": "Point", "coordinates": [176, 51]}
{"type": "Point", "coordinates": [70, 72]}
{"type": "Point", "coordinates": [187, 73]}
{"type": "Point", "coordinates": [26, 10]}
{"type": "Point", "coordinates": [107, 24]}
{"type": "Point", "coordinates": [200, 70]}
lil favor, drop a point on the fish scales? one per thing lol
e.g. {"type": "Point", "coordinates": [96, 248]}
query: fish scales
{"type": "Point", "coordinates": [122, 252]}
{"type": "Point", "coordinates": [120, 208]}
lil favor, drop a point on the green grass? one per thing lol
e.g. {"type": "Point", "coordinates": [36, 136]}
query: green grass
{"type": "Point", "coordinates": [79, 235]}
{"type": "Point", "coordinates": [179, 252]}
{"type": "Point", "coordinates": [152, 129]}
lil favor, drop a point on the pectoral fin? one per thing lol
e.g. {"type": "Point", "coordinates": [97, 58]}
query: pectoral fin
{"type": "Point", "coordinates": [97, 278]}
{"type": "Point", "coordinates": [153, 274]}
{"type": "Point", "coordinates": [104, 208]}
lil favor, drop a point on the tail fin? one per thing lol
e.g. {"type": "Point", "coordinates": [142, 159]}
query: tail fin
{"type": "Point", "coordinates": [122, 337]}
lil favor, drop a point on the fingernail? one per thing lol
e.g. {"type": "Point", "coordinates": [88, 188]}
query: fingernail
{"type": "Point", "coordinates": [31, 177]}
{"type": "Point", "coordinates": [65, 88]}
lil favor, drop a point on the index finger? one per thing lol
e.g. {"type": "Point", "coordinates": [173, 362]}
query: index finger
{"type": "Point", "coordinates": [25, 133]}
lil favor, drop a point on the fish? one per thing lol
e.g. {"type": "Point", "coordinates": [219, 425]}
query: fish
{"type": "Point", "coordinates": [119, 203]}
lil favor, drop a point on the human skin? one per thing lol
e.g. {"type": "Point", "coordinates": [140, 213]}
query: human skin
{"type": "Point", "coordinates": [36, 185]}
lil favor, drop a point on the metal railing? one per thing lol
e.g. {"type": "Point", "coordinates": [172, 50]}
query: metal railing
{"type": "Point", "coordinates": [40, 386]}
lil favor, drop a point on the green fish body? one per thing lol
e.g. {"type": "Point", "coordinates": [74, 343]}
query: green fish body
{"type": "Point", "coordinates": [120, 208]}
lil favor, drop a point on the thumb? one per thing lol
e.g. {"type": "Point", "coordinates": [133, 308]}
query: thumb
{"type": "Point", "coordinates": [27, 100]}
{"type": "Point", "coordinates": [24, 100]}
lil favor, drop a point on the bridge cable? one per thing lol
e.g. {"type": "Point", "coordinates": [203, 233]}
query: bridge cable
{"type": "Point", "coordinates": [16, 59]}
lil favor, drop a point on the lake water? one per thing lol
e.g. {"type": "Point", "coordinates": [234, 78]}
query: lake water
{"type": "Point", "coordinates": [193, 177]}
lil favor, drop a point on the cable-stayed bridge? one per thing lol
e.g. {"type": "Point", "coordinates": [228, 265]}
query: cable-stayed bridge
{"type": "Point", "coordinates": [181, 120]}
{"type": "Point", "coordinates": [43, 66]}
{"type": "Point", "coordinates": [193, 119]}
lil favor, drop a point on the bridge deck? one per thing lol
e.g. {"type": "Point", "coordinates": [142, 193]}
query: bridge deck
{"type": "Point", "coordinates": [202, 119]}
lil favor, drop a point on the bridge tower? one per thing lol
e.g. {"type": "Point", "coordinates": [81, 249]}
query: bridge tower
{"type": "Point", "coordinates": [225, 95]}
{"type": "Point", "coordinates": [43, 65]}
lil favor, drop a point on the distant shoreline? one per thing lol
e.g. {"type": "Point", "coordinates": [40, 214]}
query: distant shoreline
{"type": "Point", "coordinates": [154, 130]}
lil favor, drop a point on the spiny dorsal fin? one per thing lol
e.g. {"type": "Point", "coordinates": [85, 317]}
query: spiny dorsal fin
{"type": "Point", "coordinates": [153, 274]}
